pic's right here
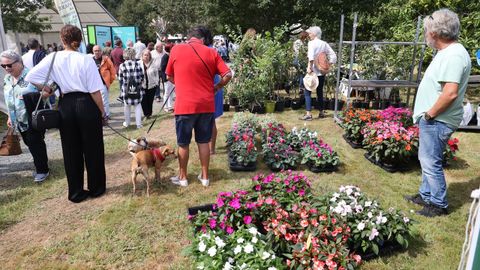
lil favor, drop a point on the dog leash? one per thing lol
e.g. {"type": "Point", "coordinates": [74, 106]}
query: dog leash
{"type": "Point", "coordinates": [165, 102]}
{"type": "Point", "coordinates": [123, 136]}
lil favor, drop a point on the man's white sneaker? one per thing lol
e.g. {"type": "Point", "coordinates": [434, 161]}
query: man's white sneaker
{"type": "Point", "coordinates": [205, 182]}
{"type": "Point", "coordinates": [176, 181]}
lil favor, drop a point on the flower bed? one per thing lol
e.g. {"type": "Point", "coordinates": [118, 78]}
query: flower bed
{"type": "Point", "coordinates": [353, 123]}
{"type": "Point", "coordinates": [279, 224]}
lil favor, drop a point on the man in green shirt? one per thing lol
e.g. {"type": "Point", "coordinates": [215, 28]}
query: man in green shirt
{"type": "Point", "coordinates": [438, 107]}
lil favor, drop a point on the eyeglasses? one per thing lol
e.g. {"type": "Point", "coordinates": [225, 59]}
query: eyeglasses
{"type": "Point", "coordinates": [430, 17]}
{"type": "Point", "coordinates": [8, 65]}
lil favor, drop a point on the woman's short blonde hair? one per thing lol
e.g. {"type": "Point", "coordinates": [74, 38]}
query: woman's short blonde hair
{"type": "Point", "coordinates": [129, 54]}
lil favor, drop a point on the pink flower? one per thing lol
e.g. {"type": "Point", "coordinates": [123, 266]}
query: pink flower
{"type": "Point", "coordinates": [304, 223]}
{"type": "Point", "coordinates": [229, 230]}
{"type": "Point", "coordinates": [301, 192]}
{"type": "Point", "coordinates": [258, 187]}
{"type": "Point", "coordinates": [250, 205]}
{"type": "Point", "coordinates": [269, 200]}
{"type": "Point", "coordinates": [220, 202]}
{"type": "Point", "coordinates": [247, 219]}
{"type": "Point", "coordinates": [235, 203]}
{"type": "Point", "coordinates": [213, 223]}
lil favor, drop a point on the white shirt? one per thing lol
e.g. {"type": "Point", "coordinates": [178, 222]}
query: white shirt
{"type": "Point", "coordinates": [158, 57]}
{"type": "Point", "coordinates": [28, 59]}
{"type": "Point", "coordinates": [72, 71]}
{"type": "Point", "coordinates": [317, 46]}
{"type": "Point", "coordinates": [152, 73]}
{"type": "Point", "coordinates": [139, 47]}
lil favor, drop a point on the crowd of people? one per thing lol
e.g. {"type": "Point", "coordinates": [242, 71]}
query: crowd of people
{"type": "Point", "coordinates": [81, 83]}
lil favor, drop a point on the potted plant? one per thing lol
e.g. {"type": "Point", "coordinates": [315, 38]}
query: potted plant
{"type": "Point", "coordinates": [242, 151]}
{"type": "Point", "coordinates": [450, 152]}
{"type": "Point", "coordinates": [353, 123]}
{"type": "Point", "coordinates": [277, 153]}
{"type": "Point", "coordinates": [389, 144]}
{"type": "Point", "coordinates": [319, 157]}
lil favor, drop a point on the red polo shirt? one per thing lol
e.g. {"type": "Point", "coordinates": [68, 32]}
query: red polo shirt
{"type": "Point", "coordinates": [193, 83]}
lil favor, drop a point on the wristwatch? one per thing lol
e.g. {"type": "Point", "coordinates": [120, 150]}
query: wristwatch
{"type": "Point", "coordinates": [428, 117]}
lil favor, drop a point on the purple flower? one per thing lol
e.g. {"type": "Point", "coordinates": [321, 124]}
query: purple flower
{"type": "Point", "coordinates": [235, 203]}
{"type": "Point", "coordinates": [213, 223]}
{"type": "Point", "coordinates": [247, 219]}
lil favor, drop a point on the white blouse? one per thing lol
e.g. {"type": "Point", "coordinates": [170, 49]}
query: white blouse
{"type": "Point", "coordinates": [72, 71]}
{"type": "Point", "coordinates": [152, 73]}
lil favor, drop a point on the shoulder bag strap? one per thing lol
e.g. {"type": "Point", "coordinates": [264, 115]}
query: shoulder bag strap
{"type": "Point", "coordinates": [46, 81]}
{"type": "Point", "coordinates": [202, 60]}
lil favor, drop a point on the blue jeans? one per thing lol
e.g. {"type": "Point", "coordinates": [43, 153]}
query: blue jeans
{"type": "Point", "coordinates": [308, 95]}
{"type": "Point", "coordinates": [434, 136]}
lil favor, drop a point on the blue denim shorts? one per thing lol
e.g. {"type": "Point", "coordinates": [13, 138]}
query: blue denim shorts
{"type": "Point", "coordinates": [202, 124]}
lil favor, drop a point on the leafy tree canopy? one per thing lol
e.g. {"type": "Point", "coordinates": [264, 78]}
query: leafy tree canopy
{"type": "Point", "coordinates": [22, 15]}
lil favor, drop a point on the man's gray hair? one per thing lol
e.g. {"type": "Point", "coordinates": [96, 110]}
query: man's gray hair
{"type": "Point", "coordinates": [12, 55]}
{"type": "Point", "coordinates": [444, 23]}
{"type": "Point", "coordinates": [316, 31]}
{"type": "Point", "coordinates": [159, 43]}
{"type": "Point", "coordinates": [129, 54]}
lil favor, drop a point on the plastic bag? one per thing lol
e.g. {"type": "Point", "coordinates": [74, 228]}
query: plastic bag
{"type": "Point", "coordinates": [467, 114]}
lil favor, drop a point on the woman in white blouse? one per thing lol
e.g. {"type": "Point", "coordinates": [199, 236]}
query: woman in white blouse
{"type": "Point", "coordinates": [82, 113]}
{"type": "Point", "coordinates": [150, 81]}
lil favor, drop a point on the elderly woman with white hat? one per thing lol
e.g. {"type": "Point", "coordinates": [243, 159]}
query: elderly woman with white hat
{"type": "Point", "coordinates": [315, 47]}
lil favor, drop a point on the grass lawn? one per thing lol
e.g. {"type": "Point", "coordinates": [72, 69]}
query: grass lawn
{"type": "Point", "coordinates": [40, 229]}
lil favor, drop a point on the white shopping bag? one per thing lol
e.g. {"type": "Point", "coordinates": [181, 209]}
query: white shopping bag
{"type": "Point", "coordinates": [467, 114]}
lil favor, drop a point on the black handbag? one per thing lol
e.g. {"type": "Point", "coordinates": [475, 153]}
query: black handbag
{"type": "Point", "coordinates": [45, 118]}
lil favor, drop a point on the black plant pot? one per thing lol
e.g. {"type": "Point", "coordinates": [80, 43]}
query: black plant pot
{"type": "Point", "coordinates": [331, 105]}
{"type": "Point", "coordinates": [201, 208]}
{"type": "Point", "coordinates": [365, 105]}
{"type": "Point", "coordinates": [341, 103]}
{"type": "Point", "coordinates": [315, 169]}
{"type": "Point", "coordinates": [233, 101]}
{"type": "Point", "coordinates": [395, 105]}
{"type": "Point", "coordinates": [280, 106]}
{"type": "Point", "coordinates": [296, 105]}
{"type": "Point", "coordinates": [384, 104]}
{"type": "Point", "coordinates": [402, 104]}
{"type": "Point", "coordinates": [288, 102]}
{"type": "Point", "coordinates": [258, 109]}
{"type": "Point", "coordinates": [237, 167]}
{"type": "Point", "coordinates": [226, 107]}
{"type": "Point", "coordinates": [356, 104]}
{"type": "Point", "coordinates": [238, 108]}
{"type": "Point", "coordinates": [375, 104]}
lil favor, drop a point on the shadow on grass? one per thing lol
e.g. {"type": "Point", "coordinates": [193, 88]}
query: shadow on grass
{"type": "Point", "coordinates": [459, 193]}
{"type": "Point", "coordinates": [459, 164]}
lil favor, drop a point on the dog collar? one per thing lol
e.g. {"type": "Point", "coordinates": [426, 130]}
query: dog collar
{"type": "Point", "coordinates": [157, 155]}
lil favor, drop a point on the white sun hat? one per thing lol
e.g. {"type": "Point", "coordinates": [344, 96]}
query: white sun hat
{"type": "Point", "coordinates": [310, 81]}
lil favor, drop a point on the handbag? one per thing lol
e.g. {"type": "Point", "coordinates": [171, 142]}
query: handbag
{"type": "Point", "coordinates": [45, 118]}
{"type": "Point", "coordinates": [10, 144]}
{"type": "Point", "coordinates": [321, 63]}
{"type": "Point", "coordinates": [133, 88]}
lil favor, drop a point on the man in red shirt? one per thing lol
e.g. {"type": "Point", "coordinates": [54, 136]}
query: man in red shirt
{"type": "Point", "coordinates": [192, 67]}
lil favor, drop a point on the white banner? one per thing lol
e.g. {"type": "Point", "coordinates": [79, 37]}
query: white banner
{"type": "Point", "coordinates": [68, 12]}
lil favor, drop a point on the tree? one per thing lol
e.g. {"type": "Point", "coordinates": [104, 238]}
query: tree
{"type": "Point", "coordinates": [22, 15]}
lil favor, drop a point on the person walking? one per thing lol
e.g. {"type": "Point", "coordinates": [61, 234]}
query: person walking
{"type": "Point", "coordinates": [107, 72]}
{"type": "Point", "coordinates": [139, 47]}
{"type": "Point", "coordinates": [117, 54]}
{"type": "Point", "coordinates": [191, 68]}
{"type": "Point", "coordinates": [315, 47]}
{"type": "Point", "coordinates": [150, 83]}
{"type": "Point", "coordinates": [131, 78]}
{"type": "Point", "coordinates": [20, 94]}
{"type": "Point", "coordinates": [439, 107]}
{"type": "Point", "coordinates": [81, 111]}
{"type": "Point", "coordinates": [167, 95]}
{"type": "Point", "coordinates": [157, 55]}
{"type": "Point", "coordinates": [34, 54]}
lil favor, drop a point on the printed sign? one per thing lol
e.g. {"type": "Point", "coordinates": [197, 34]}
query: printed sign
{"type": "Point", "coordinates": [124, 33]}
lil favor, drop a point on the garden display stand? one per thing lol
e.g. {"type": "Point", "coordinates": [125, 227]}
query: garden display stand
{"type": "Point", "coordinates": [364, 85]}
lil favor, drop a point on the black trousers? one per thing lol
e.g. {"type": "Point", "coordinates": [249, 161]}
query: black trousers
{"type": "Point", "coordinates": [147, 101]}
{"type": "Point", "coordinates": [81, 133]}
{"type": "Point", "coordinates": [36, 144]}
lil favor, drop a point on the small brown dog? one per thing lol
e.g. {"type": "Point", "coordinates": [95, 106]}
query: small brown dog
{"type": "Point", "coordinates": [147, 155]}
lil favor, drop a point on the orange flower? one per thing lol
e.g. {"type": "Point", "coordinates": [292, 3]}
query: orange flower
{"type": "Point", "coordinates": [408, 147]}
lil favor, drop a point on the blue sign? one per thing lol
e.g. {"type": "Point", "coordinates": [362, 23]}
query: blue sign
{"type": "Point", "coordinates": [102, 35]}
{"type": "Point", "coordinates": [124, 33]}
{"type": "Point", "coordinates": [478, 57]}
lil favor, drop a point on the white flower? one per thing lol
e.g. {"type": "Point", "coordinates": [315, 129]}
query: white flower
{"type": "Point", "coordinates": [379, 219]}
{"type": "Point", "coordinates": [227, 266]}
{"type": "Point", "coordinates": [254, 240]}
{"type": "Point", "coordinates": [240, 240]}
{"type": "Point", "coordinates": [368, 203]}
{"type": "Point", "coordinates": [243, 266]}
{"type": "Point", "coordinates": [349, 191]}
{"type": "Point", "coordinates": [237, 249]}
{"type": "Point", "coordinates": [212, 251]}
{"type": "Point", "coordinates": [358, 208]}
{"type": "Point", "coordinates": [315, 134]}
{"type": "Point", "coordinates": [356, 194]}
{"type": "Point", "coordinates": [204, 235]}
{"type": "Point", "coordinates": [219, 242]}
{"type": "Point", "coordinates": [202, 246]}
{"type": "Point", "coordinates": [248, 248]}
{"type": "Point", "coordinates": [370, 215]}
{"type": "Point", "coordinates": [253, 230]}
{"type": "Point", "coordinates": [273, 256]}
{"type": "Point", "coordinates": [412, 211]}
{"type": "Point", "coordinates": [272, 268]}
{"type": "Point", "coordinates": [230, 260]}
{"type": "Point", "coordinates": [341, 189]}
{"type": "Point", "coordinates": [384, 220]}
{"type": "Point", "coordinates": [361, 226]}
{"type": "Point", "coordinates": [333, 199]}
{"type": "Point", "coordinates": [406, 219]}
{"type": "Point", "coordinates": [336, 195]}
{"type": "Point", "coordinates": [201, 267]}
{"type": "Point", "coordinates": [265, 255]}
{"type": "Point", "coordinates": [373, 234]}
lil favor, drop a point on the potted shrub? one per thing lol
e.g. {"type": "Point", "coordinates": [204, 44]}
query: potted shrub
{"type": "Point", "coordinates": [319, 157]}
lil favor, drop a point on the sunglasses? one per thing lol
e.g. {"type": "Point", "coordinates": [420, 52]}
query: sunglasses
{"type": "Point", "coordinates": [8, 65]}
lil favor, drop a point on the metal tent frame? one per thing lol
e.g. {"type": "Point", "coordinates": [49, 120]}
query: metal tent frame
{"type": "Point", "coordinates": [359, 84]}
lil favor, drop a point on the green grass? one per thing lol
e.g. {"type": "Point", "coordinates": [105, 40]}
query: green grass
{"type": "Point", "coordinates": [123, 231]}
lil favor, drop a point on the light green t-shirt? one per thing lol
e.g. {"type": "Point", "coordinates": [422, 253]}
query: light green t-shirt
{"type": "Point", "coordinates": [451, 64]}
